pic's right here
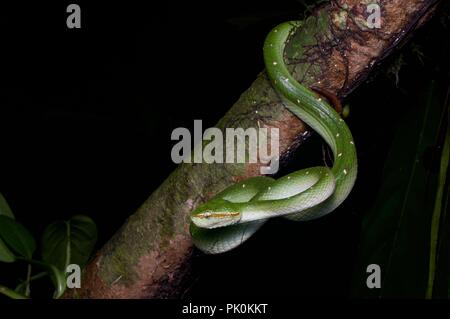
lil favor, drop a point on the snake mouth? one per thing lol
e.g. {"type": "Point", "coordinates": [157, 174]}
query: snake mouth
{"type": "Point", "coordinates": [217, 215]}
{"type": "Point", "coordinates": [212, 220]}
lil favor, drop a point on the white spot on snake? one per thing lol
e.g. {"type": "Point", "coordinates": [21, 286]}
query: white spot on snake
{"type": "Point", "coordinates": [319, 99]}
{"type": "Point", "coordinates": [269, 188]}
{"type": "Point", "coordinates": [275, 63]}
{"type": "Point", "coordinates": [256, 111]}
{"type": "Point", "coordinates": [340, 154]}
{"type": "Point", "coordinates": [307, 173]}
{"type": "Point", "coordinates": [341, 120]}
{"type": "Point", "coordinates": [337, 135]}
{"type": "Point", "coordinates": [116, 280]}
{"type": "Point", "coordinates": [289, 177]}
{"type": "Point", "coordinates": [298, 101]}
{"type": "Point", "coordinates": [275, 30]}
{"type": "Point", "coordinates": [345, 171]}
{"type": "Point", "coordinates": [243, 185]}
{"type": "Point", "coordinates": [351, 142]}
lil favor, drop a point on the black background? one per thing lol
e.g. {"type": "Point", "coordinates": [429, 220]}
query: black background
{"type": "Point", "coordinates": [86, 117]}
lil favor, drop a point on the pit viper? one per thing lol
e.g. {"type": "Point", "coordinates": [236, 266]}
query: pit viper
{"type": "Point", "coordinates": [235, 214]}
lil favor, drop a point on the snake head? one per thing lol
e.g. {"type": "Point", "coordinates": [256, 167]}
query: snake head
{"type": "Point", "coordinates": [215, 213]}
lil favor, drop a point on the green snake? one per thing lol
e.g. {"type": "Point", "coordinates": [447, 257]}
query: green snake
{"type": "Point", "coordinates": [233, 215]}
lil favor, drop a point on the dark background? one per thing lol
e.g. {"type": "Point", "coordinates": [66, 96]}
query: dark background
{"type": "Point", "coordinates": [86, 116]}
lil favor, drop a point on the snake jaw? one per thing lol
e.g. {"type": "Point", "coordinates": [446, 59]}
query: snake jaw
{"type": "Point", "coordinates": [211, 220]}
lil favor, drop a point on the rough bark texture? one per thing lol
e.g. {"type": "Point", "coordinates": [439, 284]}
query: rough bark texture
{"type": "Point", "coordinates": [150, 256]}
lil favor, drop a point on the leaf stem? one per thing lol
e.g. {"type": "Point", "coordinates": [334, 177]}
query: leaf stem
{"type": "Point", "coordinates": [32, 278]}
{"type": "Point", "coordinates": [57, 276]}
{"type": "Point", "coordinates": [11, 293]}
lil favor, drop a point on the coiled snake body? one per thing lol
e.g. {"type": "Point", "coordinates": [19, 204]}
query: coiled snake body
{"type": "Point", "coordinates": [233, 215]}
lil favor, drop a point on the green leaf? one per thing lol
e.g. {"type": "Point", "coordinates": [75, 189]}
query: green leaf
{"type": "Point", "coordinates": [17, 237]}
{"type": "Point", "coordinates": [59, 281]}
{"type": "Point", "coordinates": [22, 288]}
{"type": "Point", "coordinates": [57, 276]}
{"type": "Point", "coordinates": [6, 255]}
{"type": "Point", "coordinates": [4, 207]}
{"type": "Point", "coordinates": [11, 293]}
{"type": "Point", "coordinates": [439, 275]}
{"type": "Point", "coordinates": [69, 242]}
{"type": "Point", "coordinates": [396, 230]}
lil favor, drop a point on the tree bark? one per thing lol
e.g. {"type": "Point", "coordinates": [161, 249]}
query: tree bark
{"type": "Point", "coordinates": [150, 256]}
